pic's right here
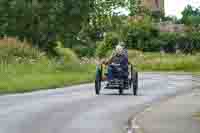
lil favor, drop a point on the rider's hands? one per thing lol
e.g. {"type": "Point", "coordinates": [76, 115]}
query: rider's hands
{"type": "Point", "coordinates": [104, 61]}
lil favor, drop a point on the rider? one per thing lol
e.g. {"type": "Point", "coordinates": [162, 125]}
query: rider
{"type": "Point", "coordinates": [119, 56]}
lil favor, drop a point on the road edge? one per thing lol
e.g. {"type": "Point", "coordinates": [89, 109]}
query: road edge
{"type": "Point", "coordinates": [134, 127]}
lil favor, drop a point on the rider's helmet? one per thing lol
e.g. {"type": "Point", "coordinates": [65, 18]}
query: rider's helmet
{"type": "Point", "coordinates": [119, 49]}
{"type": "Point", "coordinates": [122, 44]}
{"type": "Point", "coordinates": [124, 50]}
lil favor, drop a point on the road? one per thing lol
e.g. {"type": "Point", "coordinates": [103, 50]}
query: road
{"type": "Point", "coordinates": [78, 110]}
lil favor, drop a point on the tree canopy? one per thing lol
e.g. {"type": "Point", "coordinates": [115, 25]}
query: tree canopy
{"type": "Point", "coordinates": [191, 16]}
{"type": "Point", "coordinates": [42, 21]}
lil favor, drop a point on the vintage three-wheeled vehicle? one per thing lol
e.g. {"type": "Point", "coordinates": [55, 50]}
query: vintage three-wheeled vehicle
{"type": "Point", "coordinates": [121, 80]}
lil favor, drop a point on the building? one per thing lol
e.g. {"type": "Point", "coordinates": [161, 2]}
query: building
{"type": "Point", "coordinates": [171, 27]}
{"type": "Point", "coordinates": [154, 5]}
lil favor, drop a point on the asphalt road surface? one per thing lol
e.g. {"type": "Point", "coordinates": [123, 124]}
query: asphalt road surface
{"type": "Point", "coordinates": [78, 110]}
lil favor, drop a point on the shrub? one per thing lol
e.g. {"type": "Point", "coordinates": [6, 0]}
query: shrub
{"type": "Point", "coordinates": [169, 41]}
{"type": "Point", "coordinates": [13, 50]}
{"type": "Point", "coordinates": [185, 42]}
{"type": "Point", "coordinates": [101, 49]}
{"type": "Point", "coordinates": [153, 45]}
{"type": "Point", "coordinates": [66, 54]}
{"type": "Point", "coordinates": [143, 40]}
{"type": "Point", "coordinates": [110, 41]}
{"type": "Point", "coordinates": [84, 48]}
{"type": "Point", "coordinates": [84, 51]}
{"type": "Point", "coordinates": [140, 35]}
{"type": "Point", "coordinates": [144, 36]}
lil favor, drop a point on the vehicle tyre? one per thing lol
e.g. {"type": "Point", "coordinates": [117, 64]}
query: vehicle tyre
{"type": "Point", "coordinates": [132, 76]}
{"type": "Point", "coordinates": [135, 84]}
{"type": "Point", "coordinates": [121, 91]}
{"type": "Point", "coordinates": [98, 81]}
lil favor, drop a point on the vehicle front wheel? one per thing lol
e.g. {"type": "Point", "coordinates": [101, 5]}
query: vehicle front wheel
{"type": "Point", "coordinates": [121, 91]}
{"type": "Point", "coordinates": [135, 83]}
{"type": "Point", "coordinates": [98, 82]}
{"type": "Point", "coordinates": [97, 87]}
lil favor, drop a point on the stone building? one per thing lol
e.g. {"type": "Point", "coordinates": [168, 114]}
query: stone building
{"type": "Point", "coordinates": [154, 5]}
{"type": "Point", "coordinates": [171, 27]}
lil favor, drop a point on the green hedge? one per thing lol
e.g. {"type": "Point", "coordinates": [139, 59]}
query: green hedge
{"type": "Point", "coordinates": [144, 36]}
{"type": "Point", "coordinates": [149, 39]}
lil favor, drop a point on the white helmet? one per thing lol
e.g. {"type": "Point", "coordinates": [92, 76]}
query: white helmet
{"type": "Point", "coordinates": [119, 49]}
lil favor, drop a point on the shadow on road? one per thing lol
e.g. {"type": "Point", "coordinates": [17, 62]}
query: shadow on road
{"type": "Point", "coordinates": [117, 94]}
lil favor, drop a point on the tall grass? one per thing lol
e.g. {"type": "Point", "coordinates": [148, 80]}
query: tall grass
{"type": "Point", "coordinates": [24, 68]}
{"type": "Point", "coordinates": [29, 77]}
{"type": "Point", "coordinates": [165, 62]}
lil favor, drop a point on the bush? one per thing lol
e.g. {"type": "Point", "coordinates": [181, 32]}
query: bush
{"type": "Point", "coordinates": [140, 35]}
{"type": "Point", "coordinates": [66, 54]}
{"type": "Point", "coordinates": [169, 41]}
{"type": "Point", "coordinates": [13, 50]}
{"type": "Point", "coordinates": [101, 49]}
{"type": "Point", "coordinates": [84, 48]}
{"type": "Point", "coordinates": [150, 41]}
{"type": "Point", "coordinates": [185, 42]}
{"type": "Point", "coordinates": [110, 41]}
{"type": "Point", "coordinates": [43, 22]}
{"type": "Point", "coordinates": [84, 51]}
{"type": "Point", "coordinates": [153, 45]}
{"type": "Point", "coordinates": [143, 35]}
{"type": "Point", "coordinates": [43, 73]}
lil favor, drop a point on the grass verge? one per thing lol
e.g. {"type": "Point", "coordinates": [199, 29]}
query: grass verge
{"type": "Point", "coordinates": [165, 62]}
{"type": "Point", "coordinates": [24, 68]}
{"type": "Point", "coordinates": [20, 78]}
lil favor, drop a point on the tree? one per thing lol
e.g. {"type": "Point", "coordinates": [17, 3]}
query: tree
{"type": "Point", "coordinates": [43, 21]}
{"type": "Point", "coordinates": [191, 16]}
{"type": "Point", "coordinates": [136, 8]}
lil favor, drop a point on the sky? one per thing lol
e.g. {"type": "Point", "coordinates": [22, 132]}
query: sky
{"type": "Point", "coordinates": [175, 7]}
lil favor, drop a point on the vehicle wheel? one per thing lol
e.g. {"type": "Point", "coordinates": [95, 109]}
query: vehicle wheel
{"type": "Point", "coordinates": [98, 82]}
{"type": "Point", "coordinates": [135, 83]}
{"type": "Point", "coordinates": [132, 77]}
{"type": "Point", "coordinates": [121, 91]}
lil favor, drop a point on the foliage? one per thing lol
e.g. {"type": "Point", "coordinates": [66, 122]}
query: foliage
{"type": "Point", "coordinates": [84, 50]}
{"type": "Point", "coordinates": [100, 18]}
{"type": "Point", "coordinates": [191, 16]}
{"type": "Point", "coordinates": [143, 35]}
{"type": "Point", "coordinates": [140, 34]}
{"type": "Point", "coordinates": [110, 41]}
{"type": "Point", "coordinates": [43, 22]}
{"type": "Point", "coordinates": [134, 7]}
{"type": "Point", "coordinates": [27, 69]}
{"type": "Point", "coordinates": [152, 61]}
{"type": "Point", "coordinates": [193, 20]}
{"type": "Point", "coordinates": [13, 50]}
{"type": "Point", "coordinates": [101, 49]}
{"type": "Point", "coordinates": [74, 23]}
{"type": "Point", "coordinates": [42, 75]}
{"type": "Point", "coordinates": [186, 43]}
{"type": "Point", "coordinates": [66, 54]}
{"type": "Point", "coordinates": [169, 42]}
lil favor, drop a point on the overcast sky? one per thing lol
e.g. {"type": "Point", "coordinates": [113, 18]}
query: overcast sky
{"type": "Point", "coordinates": [175, 7]}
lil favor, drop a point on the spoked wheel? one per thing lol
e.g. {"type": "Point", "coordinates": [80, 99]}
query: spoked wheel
{"type": "Point", "coordinates": [134, 81]}
{"type": "Point", "coordinates": [135, 84]}
{"type": "Point", "coordinates": [98, 80]}
{"type": "Point", "coordinates": [120, 91]}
